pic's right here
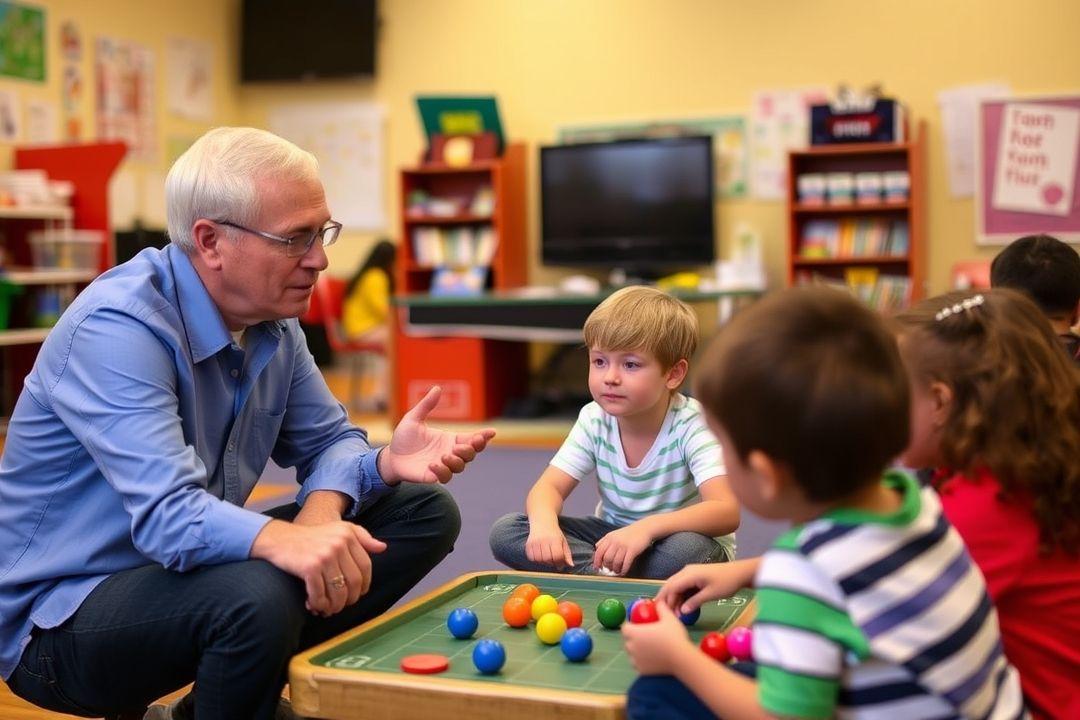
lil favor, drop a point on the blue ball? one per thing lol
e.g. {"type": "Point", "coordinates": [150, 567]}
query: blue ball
{"type": "Point", "coordinates": [462, 623]}
{"type": "Point", "coordinates": [576, 644]}
{"type": "Point", "coordinates": [630, 606]}
{"type": "Point", "coordinates": [488, 656]}
{"type": "Point", "coordinates": [691, 617]}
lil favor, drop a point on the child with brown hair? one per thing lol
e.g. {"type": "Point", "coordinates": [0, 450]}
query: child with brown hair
{"type": "Point", "coordinates": [664, 501]}
{"type": "Point", "coordinates": [869, 607]}
{"type": "Point", "coordinates": [996, 410]}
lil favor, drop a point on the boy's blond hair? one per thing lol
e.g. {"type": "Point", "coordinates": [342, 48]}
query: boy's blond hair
{"type": "Point", "coordinates": [644, 318]}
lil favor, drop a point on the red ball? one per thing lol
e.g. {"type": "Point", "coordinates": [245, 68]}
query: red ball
{"type": "Point", "coordinates": [571, 613]}
{"type": "Point", "coordinates": [714, 645]}
{"type": "Point", "coordinates": [644, 612]}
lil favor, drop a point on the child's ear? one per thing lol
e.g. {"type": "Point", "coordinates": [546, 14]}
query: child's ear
{"type": "Point", "coordinates": [770, 474]}
{"type": "Point", "coordinates": [676, 374]}
{"type": "Point", "coordinates": [942, 396]}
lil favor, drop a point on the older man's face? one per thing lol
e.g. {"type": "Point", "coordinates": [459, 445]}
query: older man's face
{"type": "Point", "coordinates": [261, 282]}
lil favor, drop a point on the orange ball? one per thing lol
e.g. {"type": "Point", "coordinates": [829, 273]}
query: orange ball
{"type": "Point", "coordinates": [526, 590]}
{"type": "Point", "coordinates": [517, 612]}
{"type": "Point", "coordinates": [571, 613]}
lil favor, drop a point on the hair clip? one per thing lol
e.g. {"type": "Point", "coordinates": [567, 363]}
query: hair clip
{"type": "Point", "coordinates": [965, 304]}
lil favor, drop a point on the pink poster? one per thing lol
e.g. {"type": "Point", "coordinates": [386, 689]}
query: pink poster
{"type": "Point", "coordinates": [1028, 172]}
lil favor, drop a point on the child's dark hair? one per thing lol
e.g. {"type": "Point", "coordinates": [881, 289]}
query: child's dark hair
{"type": "Point", "coordinates": [381, 256]}
{"type": "Point", "coordinates": [1045, 268]}
{"type": "Point", "coordinates": [1016, 399]}
{"type": "Point", "coordinates": [812, 378]}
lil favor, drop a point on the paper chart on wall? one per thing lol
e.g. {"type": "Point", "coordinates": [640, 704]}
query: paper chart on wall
{"type": "Point", "coordinates": [780, 122]}
{"type": "Point", "coordinates": [346, 138]}
{"type": "Point", "coordinates": [125, 96]}
{"type": "Point", "coordinates": [958, 108]}
{"type": "Point", "coordinates": [188, 85]}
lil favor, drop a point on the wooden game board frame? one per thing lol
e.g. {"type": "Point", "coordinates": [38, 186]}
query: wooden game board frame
{"type": "Point", "coordinates": [337, 694]}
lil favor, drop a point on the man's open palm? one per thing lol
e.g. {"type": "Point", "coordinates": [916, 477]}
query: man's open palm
{"type": "Point", "coordinates": [421, 454]}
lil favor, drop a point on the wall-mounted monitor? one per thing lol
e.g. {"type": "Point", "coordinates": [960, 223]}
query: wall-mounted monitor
{"type": "Point", "coordinates": [290, 40]}
{"type": "Point", "coordinates": [642, 205]}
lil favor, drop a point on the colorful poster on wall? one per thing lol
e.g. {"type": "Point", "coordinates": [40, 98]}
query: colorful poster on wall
{"type": "Point", "coordinates": [125, 96]}
{"type": "Point", "coordinates": [780, 122]}
{"type": "Point", "coordinates": [347, 140]}
{"type": "Point", "coordinates": [22, 41]}
{"type": "Point", "coordinates": [1028, 170]}
{"type": "Point", "coordinates": [729, 142]}
{"type": "Point", "coordinates": [188, 84]}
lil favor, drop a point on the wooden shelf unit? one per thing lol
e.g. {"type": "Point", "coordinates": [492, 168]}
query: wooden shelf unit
{"type": "Point", "coordinates": [89, 167]}
{"type": "Point", "coordinates": [477, 375]}
{"type": "Point", "coordinates": [854, 158]}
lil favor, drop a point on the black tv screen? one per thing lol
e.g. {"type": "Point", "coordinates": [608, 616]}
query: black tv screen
{"type": "Point", "coordinates": [630, 204]}
{"type": "Point", "coordinates": [307, 39]}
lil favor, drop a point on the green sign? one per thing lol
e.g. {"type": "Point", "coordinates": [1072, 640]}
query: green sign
{"type": "Point", "coordinates": [22, 41]}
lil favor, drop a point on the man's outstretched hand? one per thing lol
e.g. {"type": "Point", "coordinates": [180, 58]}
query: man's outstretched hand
{"type": "Point", "coordinates": [420, 454]}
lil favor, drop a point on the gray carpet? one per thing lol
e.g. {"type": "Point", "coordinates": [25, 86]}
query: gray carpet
{"type": "Point", "coordinates": [496, 483]}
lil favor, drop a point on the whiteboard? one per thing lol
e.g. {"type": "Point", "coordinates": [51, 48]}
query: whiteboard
{"type": "Point", "coordinates": [346, 138]}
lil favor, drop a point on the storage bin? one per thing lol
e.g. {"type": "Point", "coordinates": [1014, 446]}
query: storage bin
{"type": "Point", "coordinates": [70, 249]}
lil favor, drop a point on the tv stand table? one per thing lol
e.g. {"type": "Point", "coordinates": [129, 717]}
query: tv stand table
{"type": "Point", "coordinates": [526, 314]}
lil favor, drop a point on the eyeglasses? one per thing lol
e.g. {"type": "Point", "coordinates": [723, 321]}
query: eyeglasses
{"type": "Point", "coordinates": [296, 245]}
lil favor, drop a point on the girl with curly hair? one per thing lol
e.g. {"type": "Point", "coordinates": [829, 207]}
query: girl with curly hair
{"type": "Point", "coordinates": [995, 409]}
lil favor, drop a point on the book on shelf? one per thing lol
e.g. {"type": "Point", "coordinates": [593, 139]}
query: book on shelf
{"type": "Point", "coordinates": [887, 293]}
{"type": "Point", "coordinates": [854, 237]}
{"type": "Point", "coordinates": [458, 246]}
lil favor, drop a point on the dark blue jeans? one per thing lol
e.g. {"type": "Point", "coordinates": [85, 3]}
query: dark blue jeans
{"type": "Point", "coordinates": [663, 697]}
{"type": "Point", "coordinates": [666, 557]}
{"type": "Point", "coordinates": [230, 628]}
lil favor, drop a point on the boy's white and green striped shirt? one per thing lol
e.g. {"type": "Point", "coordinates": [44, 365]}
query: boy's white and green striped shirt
{"type": "Point", "coordinates": [880, 616]}
{"type": "Point", "coordinates": [683, 456]}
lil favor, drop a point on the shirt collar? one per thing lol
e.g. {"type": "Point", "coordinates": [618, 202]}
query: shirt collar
{"type": "Point", "coordinates": [205, 328]}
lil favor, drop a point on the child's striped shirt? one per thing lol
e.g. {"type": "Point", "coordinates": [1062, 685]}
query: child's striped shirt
{"type": "Point", "coordinates": [880, 616]}
{"type": "Point", "coordinates": [684, 455]}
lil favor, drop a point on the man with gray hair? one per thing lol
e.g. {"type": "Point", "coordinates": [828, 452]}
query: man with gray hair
{"type": "Point", "coordinates": [128, 565]}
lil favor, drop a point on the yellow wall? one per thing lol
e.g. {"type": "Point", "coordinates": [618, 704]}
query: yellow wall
{"type": "Point", "coordinates": [149, 23]}
{"type": "Point", "coordinates": [555, 62]}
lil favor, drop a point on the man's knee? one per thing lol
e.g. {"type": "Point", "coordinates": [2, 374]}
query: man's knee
{"type": "Point", "coordinates": [262, 601]}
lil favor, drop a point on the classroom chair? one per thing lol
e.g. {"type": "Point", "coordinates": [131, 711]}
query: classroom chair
{"type": "Point", "coordinates": [362, 355]}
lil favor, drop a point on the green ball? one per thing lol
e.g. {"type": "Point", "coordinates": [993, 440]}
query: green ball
{"type": "Point", "coordinates": [611, 613]}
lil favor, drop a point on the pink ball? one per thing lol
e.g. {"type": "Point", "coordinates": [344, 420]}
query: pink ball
{"type": "Point", "coordinates": [740, 643]}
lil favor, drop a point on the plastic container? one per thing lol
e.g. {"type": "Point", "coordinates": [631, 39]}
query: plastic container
{"type": "Point", "coordinates": [68, 249]}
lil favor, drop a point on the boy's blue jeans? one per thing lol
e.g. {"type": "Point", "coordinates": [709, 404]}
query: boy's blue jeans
{"type": "Point", "coordinates": [231, 628]}
{"type": "Point", "coordinates": [665, 558]}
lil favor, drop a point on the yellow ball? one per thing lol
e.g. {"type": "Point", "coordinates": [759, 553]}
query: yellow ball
{"type": "Point", "coordinates": [550, 628]}
{"type": "Point", "coordinates": [543, 605]}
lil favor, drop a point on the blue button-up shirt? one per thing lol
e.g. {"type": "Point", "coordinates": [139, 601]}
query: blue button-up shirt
{"type": "Point", "coordinates": [141, 431]}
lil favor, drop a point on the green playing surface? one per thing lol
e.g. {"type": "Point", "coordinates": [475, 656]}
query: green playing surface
{"type": "Point", "coordinates": [528, 661]}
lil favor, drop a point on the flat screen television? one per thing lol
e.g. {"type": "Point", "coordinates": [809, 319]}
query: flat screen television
{"type": "Point", "coordinates": [643, 205]}
{"type": "Point", "coordinates": [283, 40]}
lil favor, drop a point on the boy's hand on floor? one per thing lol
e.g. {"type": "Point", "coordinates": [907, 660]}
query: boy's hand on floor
{"type": "Point", "coordinates": [654, 647]}
{"type": "Point", "coordinates": [548, 546]}
{"type": "Point", "coordinates": [618, 550]}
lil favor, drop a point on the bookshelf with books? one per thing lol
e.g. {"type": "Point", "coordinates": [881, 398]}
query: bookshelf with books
{"type": "Point", "coordinates": [463, 231]}
{"type": "Point", "coordinates": [856, 218]}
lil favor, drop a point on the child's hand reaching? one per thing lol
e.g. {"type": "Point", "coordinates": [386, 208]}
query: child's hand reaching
{"type": "Point", "coordinates": [617, 550]}
{"type": "Point", "coordinates": [688, 589]}
{"type": "Point", "coordinates": [547, 545]}
{"type": "Point", "coordinates": [654, 647]}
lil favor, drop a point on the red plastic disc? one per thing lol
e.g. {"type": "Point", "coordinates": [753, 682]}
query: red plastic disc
{"type": "Point", "coordinates": [424, 664]}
